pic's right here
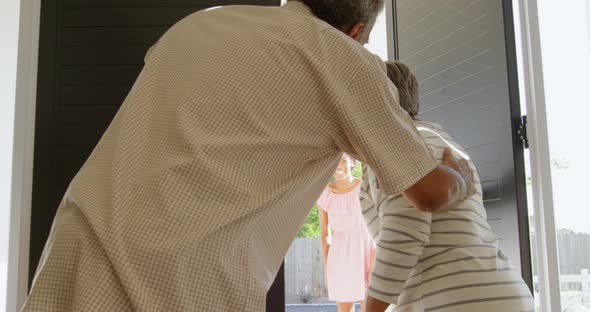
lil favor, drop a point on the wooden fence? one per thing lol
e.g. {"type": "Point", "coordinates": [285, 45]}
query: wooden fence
{"type": "Point", "coordinates": [304, 272]}
{"type": "Point", "coordinates": [575, 291]}
{"type": "Point", "coordinates": [574, 252]}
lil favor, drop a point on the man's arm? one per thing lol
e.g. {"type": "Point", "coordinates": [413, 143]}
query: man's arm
{"type": "Point", "coordinates": [324, 234]}
{"type": "Point", "coordinates": [375, 305]}
{"type": "Point", "coordinates": [324, 239]}
{"type": "Point", "coordinates": [443, 188]}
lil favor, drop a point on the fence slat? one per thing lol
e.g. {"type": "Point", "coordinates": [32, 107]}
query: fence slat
{"type": "Point", "coordinates": [304, 271]}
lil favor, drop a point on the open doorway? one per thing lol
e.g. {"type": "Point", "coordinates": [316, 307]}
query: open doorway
{"type": "Point", "coordinates": [305, 285]}
{"type": "Point", "coordinates": [305, 266]}
{"type": "Point", "coordinates": [412, 52]}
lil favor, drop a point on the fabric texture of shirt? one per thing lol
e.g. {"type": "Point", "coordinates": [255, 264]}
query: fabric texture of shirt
{"type": "Point", "coordinates": [233, 128]}
{"type": "Point", "coordinates": [445, 261]}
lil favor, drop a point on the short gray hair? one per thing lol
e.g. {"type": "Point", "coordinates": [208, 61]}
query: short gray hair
{"type": "Point", "coordinates": [343, 14]}
{"type": "Point", "coordinates": [407, 86]}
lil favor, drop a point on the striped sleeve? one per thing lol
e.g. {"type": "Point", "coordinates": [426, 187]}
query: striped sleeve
{"type": "Point", "coordinates": [368, 204]}
{"type": "Point", "coordinates": [404, 233]}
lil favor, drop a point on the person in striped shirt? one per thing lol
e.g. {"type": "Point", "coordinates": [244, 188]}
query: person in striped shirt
{"type": "Point", "coordinates": [444, 261]}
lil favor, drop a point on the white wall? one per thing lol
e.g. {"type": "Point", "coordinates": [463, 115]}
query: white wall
{"type": "Point", "coordinates": [19, 41]}
{"type": "Point", "coordinates": [9, 13]}
{"type": "Point", "coordinates": [378, 41]}
{"type": "Point", "coordinates": [8, 57]}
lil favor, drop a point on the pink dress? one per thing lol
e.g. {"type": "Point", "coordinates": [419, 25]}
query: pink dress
{"type": "Point", "coordinates": [352, 248]}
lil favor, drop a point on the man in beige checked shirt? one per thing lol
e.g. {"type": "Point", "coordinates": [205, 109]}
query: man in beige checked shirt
{"type": "Point", "coordinates": [233, 128]}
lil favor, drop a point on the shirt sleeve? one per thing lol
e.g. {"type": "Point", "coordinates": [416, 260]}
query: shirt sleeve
{"type": "Point", "coordinates": [368, 204]}
{"type": "Point", "coordinates": [323, 201]}
{"type": "Point", "coordinates": [149, 52]}
{"type": "Point", "coordinates": [372, 127]}
{"type": "Point", "coordinates": [404, 233]}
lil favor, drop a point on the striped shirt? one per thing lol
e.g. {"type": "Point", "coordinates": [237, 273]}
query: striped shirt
{"type": "Point", "coordinates": [438, 262]}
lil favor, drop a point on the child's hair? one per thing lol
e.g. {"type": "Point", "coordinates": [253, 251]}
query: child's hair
{"type": "Point", "coordinates": [407, 86]}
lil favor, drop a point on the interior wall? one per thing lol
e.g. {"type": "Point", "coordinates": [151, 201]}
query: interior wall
{"type": "Point", "coordinates": [9, 12]}
{"type": "Point", "coordinates": [19, 21]}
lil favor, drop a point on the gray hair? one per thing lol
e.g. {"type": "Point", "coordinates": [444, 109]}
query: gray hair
{"type": "Point", "coordinates": [407, 86]}
{"type": "Point", "coordinates": [343, 14]}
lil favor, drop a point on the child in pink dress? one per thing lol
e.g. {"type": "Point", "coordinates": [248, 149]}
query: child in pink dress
{"type": "Point", "coordinates": [349, 256]}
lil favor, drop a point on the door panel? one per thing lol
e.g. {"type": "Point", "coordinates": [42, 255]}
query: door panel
{"type": "Point", "coordinates": [91, 52]}
{"type": "Point", "coordinates": [465, 65]}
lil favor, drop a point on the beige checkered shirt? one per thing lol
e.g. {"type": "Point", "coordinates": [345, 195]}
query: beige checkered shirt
{"type": "Point", "coordinates": [195, 192]}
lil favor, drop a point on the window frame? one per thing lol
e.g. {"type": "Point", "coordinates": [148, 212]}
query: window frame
{"type": "Point", "coordinates": [544, 213]}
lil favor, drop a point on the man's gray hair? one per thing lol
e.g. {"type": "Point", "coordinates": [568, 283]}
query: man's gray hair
{"type": "Point", "coordinates": [343, 14]}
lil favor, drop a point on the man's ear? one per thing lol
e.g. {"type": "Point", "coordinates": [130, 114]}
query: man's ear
{"type": "Point", "coordinates": [356, 31]}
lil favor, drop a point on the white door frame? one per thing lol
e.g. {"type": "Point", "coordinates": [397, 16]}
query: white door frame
{"type": "Point", "coordinates": [22, 158]}
{"type": "Point", "coordinates": [545, 231]}
{"type": "Point", "coordinates": [390, 22]}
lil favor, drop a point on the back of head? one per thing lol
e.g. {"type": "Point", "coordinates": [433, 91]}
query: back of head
{"type": "Point", "coordinates": [344, 14]}
{"type": "Point", "coordinates": [407, 86]}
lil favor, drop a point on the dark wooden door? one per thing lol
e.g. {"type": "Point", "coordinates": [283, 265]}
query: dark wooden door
{"type": "Point", "coordinates": [91, 52]}
{"type": "Point", "coordinates": [463, 54]}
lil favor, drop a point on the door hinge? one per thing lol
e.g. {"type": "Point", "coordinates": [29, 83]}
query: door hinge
{"type": "Point", "coordinates": [522, 131]}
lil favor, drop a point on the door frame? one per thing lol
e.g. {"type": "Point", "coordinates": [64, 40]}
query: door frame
{"type": "Point", "coordinates": [391, 22]}
{"type": "Point", "coordinates": [22, 158]}
{"type": "Point", "coordinates": [24, 137]}
{"type": "Point", "coordinates": [518, 146]}
{"type": "Point", "coordinates": [534, 85]}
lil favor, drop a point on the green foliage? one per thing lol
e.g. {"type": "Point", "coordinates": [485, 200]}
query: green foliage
{"type": "Point", "coordinates": [565, 231]}
{"type": "Point", "coordinates": [357, 171]}
{"type": "Point", "coordinates": [311, 227]}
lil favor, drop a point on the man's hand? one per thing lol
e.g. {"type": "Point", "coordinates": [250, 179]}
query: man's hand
{"type": "Point", "coordinates": [445, 187]}
{"type": "Point", "coordinates": [375, 305]}
{"type": "Point", "coordinates": [462, 167]}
